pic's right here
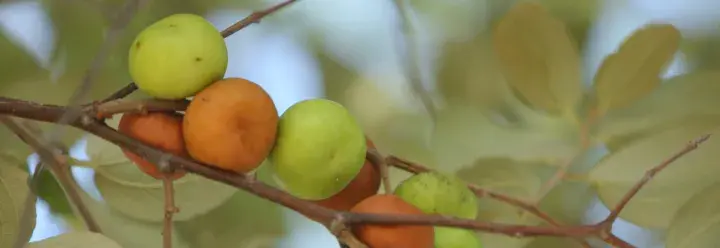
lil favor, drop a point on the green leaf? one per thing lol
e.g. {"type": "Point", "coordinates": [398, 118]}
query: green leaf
{"type": "Point", "coordinates": [463, 134]}
{"type": "Point", "coordinates": [469, 74]}
{"type": "Point", "coordinates": [126, 231]}
{"type": "Point", "coordinates": [657, 202]}
{"type": "Point", "coordinates": [538, 58]}
{"type": "Point", "coordinates": [697, 222]}
{"type": "Point", "coordinates": [18, 65]}
{"type": "Point", "coordinates": [513, 178]}
{"type": "Point", "coordinates": [682, 99]}
{"type": "Point", "coordinates": [50, 191]}
{"type": "Point", "coordinates": [130, 191]}
{"type": "Point", "coordinates": [14, 193]}
{"type": "Point", "coordinates": [243, 221]}
{"type": "Point", "coordinates": [635, 69]}
{"type": "Point", "coordinates": [76, 239]}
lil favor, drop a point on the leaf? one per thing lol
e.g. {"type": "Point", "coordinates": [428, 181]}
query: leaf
{"type": "Point", "coordinates": [538, 58]}
{"type": "Point", "coordinates": [126, 231]}
{"type": "Point", "coordinates": [463, 134]}
{"type": "Point", "coordinates": [468, 74]}
{"type": "Point", "coordinates": [243, 220]}
{"type": "Point", "coordinates": [76, 239]}
{"type": "Point", "coordinates": [513, 178]}
{"type": "Point", "coordinates": [682, 99]}
{"type": "Point", "coordinates": [657, 202]}
{"type": "Point", "coordinates": [18, 65]}
{"type": "Point", "coordinates": [697, 223]}
{"type": "Point", "coordinates": [635, 69]}
{"type": "Point", "coordinates": [14, 191]}
{"type": "Point", "coordinates": [453, 20]}
{"type": "Point", "coordinates": [130, 191]}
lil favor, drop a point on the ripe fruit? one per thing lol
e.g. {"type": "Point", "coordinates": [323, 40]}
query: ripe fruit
{"type": "Point", "coordinates": [364, 185]}
{"type": "Point", "coordinates": [437, 193]}
{"type": "Point", "coordinates": [448, 237]}
{"type": "Point", "coordinates": [177, 56]}
{"type": "Point", "coordinates": [162, 130]}
{"type": "Point", "coordinates": [392, 236]}
{"type": "Point", "coordinates": [231, 124]}
{"type": "Point", "coordinates": [320, 148]}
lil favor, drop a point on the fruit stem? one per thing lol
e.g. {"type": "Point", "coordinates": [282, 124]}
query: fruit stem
{"type": "Point", "coordinates": [170, 209]}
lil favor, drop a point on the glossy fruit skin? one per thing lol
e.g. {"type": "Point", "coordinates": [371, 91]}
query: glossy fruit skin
{"type": "Point", "coordinates": [448, 237]}
{"type": "Point", "coordinates": [231, 124]}
{"type": "Point", "coordinates": [177, 56]}
{"type": "Point", "coordinates": [162, 130]}
{"type": "Point", "coordinates": [438, 193]}
{"type": "Point", "coordinates": [392, 236]}
{"type": "Point", "coordinates": [320, 148]}
{"type": "Point", "coordinates": [364, 185]}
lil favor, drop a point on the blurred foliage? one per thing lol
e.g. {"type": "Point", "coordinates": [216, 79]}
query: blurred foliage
{"type": "Point", "coordinates": [77, 240]}
{"type": "Point", "coordinates": [696, 223]}
{"type": "Point", "coordinates": [14, 192]}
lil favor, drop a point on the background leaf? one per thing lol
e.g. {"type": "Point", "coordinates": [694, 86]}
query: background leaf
{"type": "Point", "coordinates": [14, 191]}
{"type": "Point", "coordinates": [683, 99]}
{"type": "Point", "coordinates": [658, 201]}
{"type": "Point", "coordinates": [697, 222]}
{"type": "Point", "coordinates": [243, 220]}
{"type": "Point", "coordinates": [463, 134]}
{"type": "Point", "coordinates": [76, 240]}
{"type": "Point", "coordinates": [635, 69]}
{"type": "Point", "coordinates": [126, 231]}
{"type": "Point", "coordinates": [538, 58]}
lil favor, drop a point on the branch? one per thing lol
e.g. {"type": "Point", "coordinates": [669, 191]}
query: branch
{"type": "Point", "coordinates": [51, 113]}
{"type": "Point", "coordinates": [108, 109]}
{"type": "Point", "coordinates": [58, 166]}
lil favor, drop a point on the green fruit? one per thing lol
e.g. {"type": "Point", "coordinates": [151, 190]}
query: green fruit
{"type": "Point", "coordinates": [319, 149]}
{"type": "Point", "coordinates": [177, 56]}
{"type": "Point", "coordinates": [448, 237]}
{"type": "Point", "coordinates": [437, 193]}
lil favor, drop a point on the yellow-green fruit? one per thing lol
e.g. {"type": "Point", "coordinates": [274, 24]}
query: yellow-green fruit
{"type": "Point", "coordinates": [319, 149]}
{"type": "Point", "coordinates": [177, 56]}
{"type": "Point", "coordinates": [448, 237]}
{"type": "Point", "coordinates": [437, 193]}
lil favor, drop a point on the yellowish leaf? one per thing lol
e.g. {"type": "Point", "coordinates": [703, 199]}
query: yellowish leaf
{"type": "Point", "coordinates": [683, 99]}
{"type": "Point", "coordinates": [658, 201]}
{"type": "Point", "coordinates": [463, 134]}
{"type": "Point", "coordinates": [14, 191]}
{"type": "Point", "coordinates": [635, 69]}
{"type": "Point", "coordinates": [538, 58]}
{"type": "Point", "coordinates": [697, 223]}
{"type": "Point", "coordinates": [79, 239]}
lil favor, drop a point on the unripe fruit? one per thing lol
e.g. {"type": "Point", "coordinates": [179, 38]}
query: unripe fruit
{"type": "Point", "coordinates": [177, 56]}
{"type": "Point", "coordinates": [364, 185]}
{"type": "Point", "coordinates": [448, 237]}
{"type": "Point", "coordinates": [162, 130]}
{"type": "Point", "coordinates": [320, 148]}
{"type": "Point", "coordinates": [231, 124]}
{"type": "Point", "coordinates": [392, 236]}
{"type": "Point", "coordinates": [437, 193]}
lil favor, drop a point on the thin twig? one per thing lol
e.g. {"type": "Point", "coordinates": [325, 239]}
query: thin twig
{"type": "Point", "coordinates": [108, 109]}
{"type": "Point", "coordinates": [121, 93]}
{"type": "Point", "coordinates": [170, 209]}
{"type": "Point", "coordinates": [60, 170]}
{"type": "Point", "coordinates": [691, 146]}
{"type": "Point", "coordinates": [408, 50]}
{"type": "Point", "coordinates": [379, 162]}
{"type": "Point", "coordinates": [255, 17]}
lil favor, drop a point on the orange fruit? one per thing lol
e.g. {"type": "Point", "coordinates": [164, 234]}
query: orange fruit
{"type": "Point", "coordinates": [364, 185]}
{"type": "Point", "coordinates": [392, 236]}
{"type": "Point", "coordinates": [162, 130]}
{"type": "Point", "coordinates": [231, 124]}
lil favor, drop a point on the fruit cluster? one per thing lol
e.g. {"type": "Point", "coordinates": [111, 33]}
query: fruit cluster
{"type": "Point", "coordinates": [316, 148]}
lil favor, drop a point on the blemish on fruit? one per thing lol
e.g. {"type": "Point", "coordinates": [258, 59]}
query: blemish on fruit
{"type": "Point", "coordinates": [198, 59]}
{"type": "Point", "coordinates": [137, 45]}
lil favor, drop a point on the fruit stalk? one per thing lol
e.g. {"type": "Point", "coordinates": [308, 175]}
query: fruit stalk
{"type": "Point", "coordinates": [170, 209]}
